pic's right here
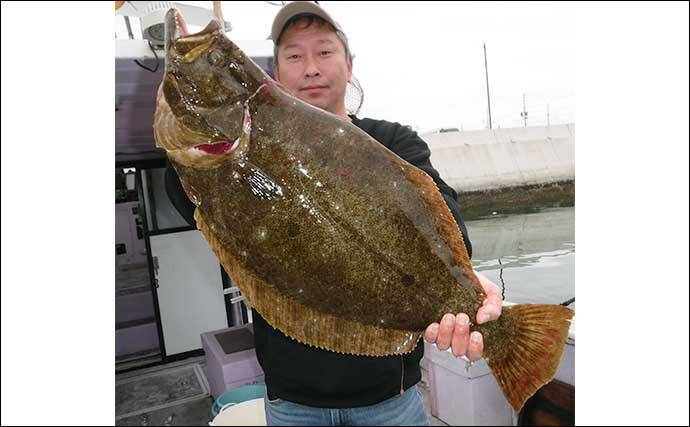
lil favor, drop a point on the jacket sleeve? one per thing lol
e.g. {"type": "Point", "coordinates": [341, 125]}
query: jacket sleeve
{"type": "Point", "coordinates": [176, 194]}
{"type": "Point", "coordinates": [410, 147]}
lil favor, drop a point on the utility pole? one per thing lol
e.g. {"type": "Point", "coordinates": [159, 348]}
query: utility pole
{"type": "Point", "coordinates": [488, 99]}
{"type": "Point", "coordinates": [524, 110]}
{"type": "Point", "coordinates": [548, 122]}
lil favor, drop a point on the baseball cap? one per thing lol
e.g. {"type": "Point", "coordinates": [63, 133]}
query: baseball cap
{"type": "Point", "coordinates": [296, 8]}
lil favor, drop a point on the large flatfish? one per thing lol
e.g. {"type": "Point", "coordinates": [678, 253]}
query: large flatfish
{"type": "Point", "coordinates": [335, 240]}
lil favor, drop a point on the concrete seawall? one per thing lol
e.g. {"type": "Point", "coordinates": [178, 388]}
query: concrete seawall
{"type": "Point", "coordinates": [495, 159]}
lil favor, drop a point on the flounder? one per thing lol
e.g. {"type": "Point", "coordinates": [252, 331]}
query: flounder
{"type": "Point", "coordinates": [335, 240]}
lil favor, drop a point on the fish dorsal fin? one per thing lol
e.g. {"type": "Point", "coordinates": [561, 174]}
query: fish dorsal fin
{"type": "Point", "coordinates": [303, 323]}
{"type": "Point", "coordinates": [445, 222]}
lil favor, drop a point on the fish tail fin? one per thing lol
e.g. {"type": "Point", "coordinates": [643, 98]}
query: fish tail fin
{"type": "Point", "coordinates": [533, 340]}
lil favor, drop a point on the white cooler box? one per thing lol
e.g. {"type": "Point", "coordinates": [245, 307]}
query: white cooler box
{"type": "Point", "coordinates": [231, 359]}
{"type": "Point", "coordinates": [462, 396]}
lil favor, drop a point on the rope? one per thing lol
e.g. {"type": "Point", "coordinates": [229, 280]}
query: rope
{"type": "Point", "coordinates": [567, 303]}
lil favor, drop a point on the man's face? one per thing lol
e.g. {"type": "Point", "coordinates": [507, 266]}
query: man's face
{"type": "Point", "coordinates": [312, 65]}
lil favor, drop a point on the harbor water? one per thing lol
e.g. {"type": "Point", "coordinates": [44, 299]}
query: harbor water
{"type": "Point", "coordinates": [531, 257]}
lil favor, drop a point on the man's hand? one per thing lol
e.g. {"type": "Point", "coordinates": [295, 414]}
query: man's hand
{"type": "Point", "coordinates": [454, 330]}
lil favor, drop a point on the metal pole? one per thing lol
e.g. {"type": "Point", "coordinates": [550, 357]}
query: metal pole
{"type": "Point", "coordinates": [548, 121]}
{"type": "Point", "coordinates": [524, 110]}
{"type": "Point", "coordinates": [488, 99]}
{"type": "Point", "coordinates": [129, 28]}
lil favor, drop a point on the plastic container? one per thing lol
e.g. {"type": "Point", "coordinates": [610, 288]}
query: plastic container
{"type": "Point", "coordinates": [462, 395]}
{"type": "Point", "coordinates": [248, 413]}
{"type": "Point", "coordinates": [231, 359]}
{"type": "Point", "coordinates": [238, 395]}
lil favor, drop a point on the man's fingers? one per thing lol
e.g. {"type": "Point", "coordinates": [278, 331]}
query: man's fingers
{"type": "Point", "coordinates": [490, 310]}
{"type": "Point", "coordinates": [445, 332]}
{"type": "Point", "coordinates": [490, 288]}
{"type": "Point", "coordinates": [492, 304]}
{"type": "Point", "coordinates": [491, 307]}
{"type": "Point", "coordinates": [461, 336]}
{"type": "Point", "coordinates": [475, 347]}
{"type": "Point", "coordinates": [431, 333]}
{"type": "Point", "coordinates": [492, 299]}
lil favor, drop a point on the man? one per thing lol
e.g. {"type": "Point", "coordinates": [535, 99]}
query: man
{"type": "Point", "coordinates": [309, 386]}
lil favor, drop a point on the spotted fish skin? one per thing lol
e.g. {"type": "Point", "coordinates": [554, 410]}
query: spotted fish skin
{"type": "Point", "coordinates": [315, 208]}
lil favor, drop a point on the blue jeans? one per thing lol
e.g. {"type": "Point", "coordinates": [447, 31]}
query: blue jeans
{"type": "Point", "coordinates": [406, 409]}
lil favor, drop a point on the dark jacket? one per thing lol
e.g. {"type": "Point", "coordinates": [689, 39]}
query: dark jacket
{"type": "Point", "coordinates": [314, 377]}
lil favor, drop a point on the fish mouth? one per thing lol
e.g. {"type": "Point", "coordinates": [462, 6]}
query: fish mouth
{"type": "Point", "coordinates": [224, 147]}
{"type": "Point", "coordinates": [218, 148]}
{"type": "Point", "coordinates": [176, 28]}
{"type": "Point", "coordinates": [180, 27]}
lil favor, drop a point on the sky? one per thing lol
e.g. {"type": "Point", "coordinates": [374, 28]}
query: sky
{"type": "Point", "coordinates": [422, 64]}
